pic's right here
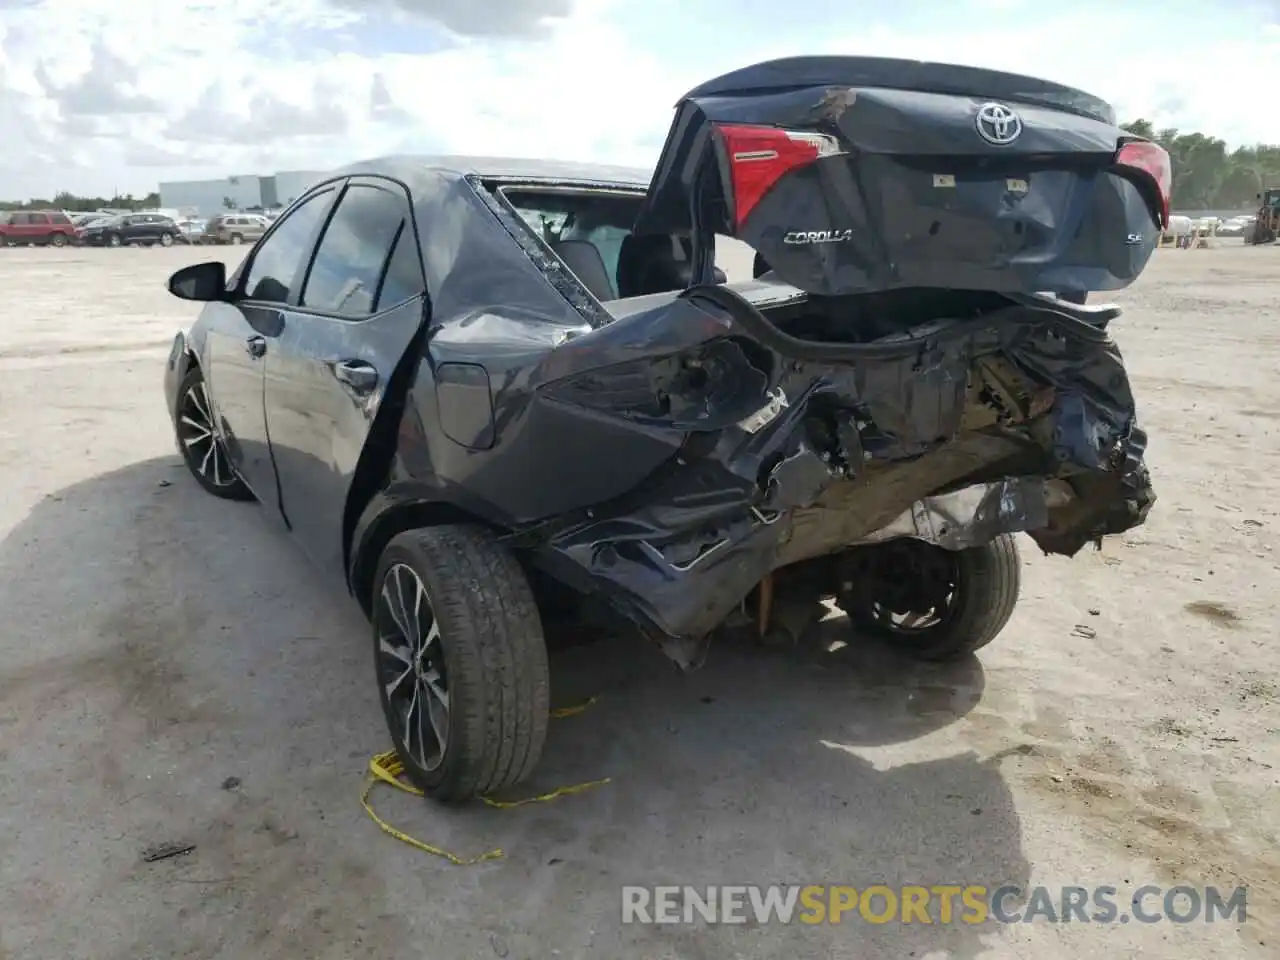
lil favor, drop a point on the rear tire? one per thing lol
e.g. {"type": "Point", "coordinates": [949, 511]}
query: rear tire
{"type": "Point", "coordinates": [986, 583]}
{"type": "Point", "coordinates": [114, 240]}
{"type": "Point", "coordinates": [236, 239]}
{"type": "Point", "coordinates": [468, 640]}
{"type": "Point", "coordinates": [198, 443]}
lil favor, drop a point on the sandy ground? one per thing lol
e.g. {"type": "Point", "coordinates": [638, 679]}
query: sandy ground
{"type": "Point", "coordinates": [157, 642]}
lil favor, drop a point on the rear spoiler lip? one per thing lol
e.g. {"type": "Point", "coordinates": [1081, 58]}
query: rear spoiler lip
{"type": "Point", "coordinates": [892, 73]}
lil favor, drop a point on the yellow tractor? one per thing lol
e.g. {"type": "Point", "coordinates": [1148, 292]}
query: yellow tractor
{"type": "Point", "coordinates": [1266, 227]}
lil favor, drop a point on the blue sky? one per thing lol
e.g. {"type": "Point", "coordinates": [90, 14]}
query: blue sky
{"type": "Point", "coordinates": [99, 92]}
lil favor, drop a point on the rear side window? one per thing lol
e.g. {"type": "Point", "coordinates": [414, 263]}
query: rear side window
{"type": "Point", "coordinates": [39, 218]}
{"type": "Point", "coordinates": [404, 271]}
{"type": "Point", "coordinates": [280, 256]}
{"type": "Point", "coordinates": [355, 252]}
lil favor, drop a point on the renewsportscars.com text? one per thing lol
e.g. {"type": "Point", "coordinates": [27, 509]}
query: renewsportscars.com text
{"type": "Point", "coordinates": [939, 903]}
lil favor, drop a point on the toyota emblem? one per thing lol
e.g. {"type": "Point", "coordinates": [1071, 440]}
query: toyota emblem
{"type": "Point", "coordinates": [998, 124]}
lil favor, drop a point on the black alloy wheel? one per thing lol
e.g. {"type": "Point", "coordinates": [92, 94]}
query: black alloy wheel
{"type": "Point", "coordinates": [461, 661]}
{"type": "Point", "coordinates": [412, 667]}
{"type": "Point", "coordinates": [201, 448]}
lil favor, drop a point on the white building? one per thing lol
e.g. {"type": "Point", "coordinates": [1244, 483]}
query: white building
{"type": "Point", "coordinates": [289, 185]}
{"type": "Point", "coordinates": [205, 198]}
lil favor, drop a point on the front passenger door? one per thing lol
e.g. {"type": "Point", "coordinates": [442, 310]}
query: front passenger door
{"type": "Point", "coordinates": [239, 334]}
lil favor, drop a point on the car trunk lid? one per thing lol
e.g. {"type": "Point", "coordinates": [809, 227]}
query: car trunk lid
{"type": "Point", "coordinates": [852, 174]}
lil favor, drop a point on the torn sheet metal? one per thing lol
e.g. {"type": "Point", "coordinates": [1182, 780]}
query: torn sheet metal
{"type": "Point", "coordinates": [1022, 422]}
{"type": "Point", "coordinates": [978, 514]}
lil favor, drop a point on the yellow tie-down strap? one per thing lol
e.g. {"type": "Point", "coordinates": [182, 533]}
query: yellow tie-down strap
{"type": "Point", "coordinates": [387, 768]}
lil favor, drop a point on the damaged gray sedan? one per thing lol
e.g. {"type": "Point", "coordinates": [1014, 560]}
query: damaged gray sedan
{"type": "Point", "coordinates": [492, 398]}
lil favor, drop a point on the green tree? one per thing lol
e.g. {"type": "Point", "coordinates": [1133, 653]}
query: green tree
{"type": "Point", "coordinates": [1206, 176]}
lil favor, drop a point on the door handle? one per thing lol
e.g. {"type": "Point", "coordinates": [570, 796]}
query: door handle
{"type": "Point", "coordinates": [360, 376]}
{"type": "Point", "coordinates": [256, 346]}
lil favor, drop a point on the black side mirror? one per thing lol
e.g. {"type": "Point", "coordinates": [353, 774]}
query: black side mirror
{"type": "Point", "coordinates": [203, 282]}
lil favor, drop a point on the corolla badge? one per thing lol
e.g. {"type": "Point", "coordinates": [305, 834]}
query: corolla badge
{"type": "Point", "coordinates": [997, 124]}
{"type": "Point", "coordinates": [817, 236]}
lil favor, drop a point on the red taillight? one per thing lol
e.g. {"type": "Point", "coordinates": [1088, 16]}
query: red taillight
{"type": "Point", "coordinates": [760, 156]}
{"type": "Point", "coordinates": [1152, 160]}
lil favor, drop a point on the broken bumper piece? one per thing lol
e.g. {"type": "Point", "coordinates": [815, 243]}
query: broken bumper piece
{"type": "Point", "coordinates": [1024, 422]}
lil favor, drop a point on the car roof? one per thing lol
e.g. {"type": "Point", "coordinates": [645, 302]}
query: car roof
{"type": "Point", "coordinates": [413, 168]}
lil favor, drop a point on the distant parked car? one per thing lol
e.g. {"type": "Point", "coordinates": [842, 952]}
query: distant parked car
{"type": "Point", "coordinates": [192, 231]}
{"type": "Point", "coordinates": [1237, 226]}
{"type": "Point", "coordinates": [37, 227]}
{"type": "Point", "coordinates": [236, 228]}
{"type": "Point", "coordinates": [143, 229]}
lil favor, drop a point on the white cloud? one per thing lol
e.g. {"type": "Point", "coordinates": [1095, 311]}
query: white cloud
{"type": "Point", "coordinates": [494, 18]}
{"type": "Point", "coordinates": [98, 93]}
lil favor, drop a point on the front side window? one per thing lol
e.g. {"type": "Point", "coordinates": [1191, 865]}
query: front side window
{"type": "Point", "coordinates": [350, 261]}
{"type": "Point", "coordinates": [279, 257]}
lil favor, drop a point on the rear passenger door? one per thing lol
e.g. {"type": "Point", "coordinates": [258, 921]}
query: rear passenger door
{"type": "Point", "coordinates": [327, 369]}
{"type": "Point", "coordinates": [38, 229]}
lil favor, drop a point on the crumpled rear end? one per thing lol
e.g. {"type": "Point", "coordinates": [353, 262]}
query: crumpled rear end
{"type": "Point", "coordinates": [1018, 419]}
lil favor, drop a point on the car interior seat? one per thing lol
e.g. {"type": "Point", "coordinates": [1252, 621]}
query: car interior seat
{"type": "Point", "coordinates": [582, 257]}
{"type": "Point", "coordinates": [655, 263]}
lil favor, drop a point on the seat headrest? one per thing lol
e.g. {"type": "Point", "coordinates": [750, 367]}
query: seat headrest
{"type": "Point", "coordinates": [652, 263]}
{"type": "Point", "coordinates": [582, 257]}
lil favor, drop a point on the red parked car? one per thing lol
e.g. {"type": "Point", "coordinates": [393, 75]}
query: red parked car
{"type": "Point", "coordinates": [37, 227]}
